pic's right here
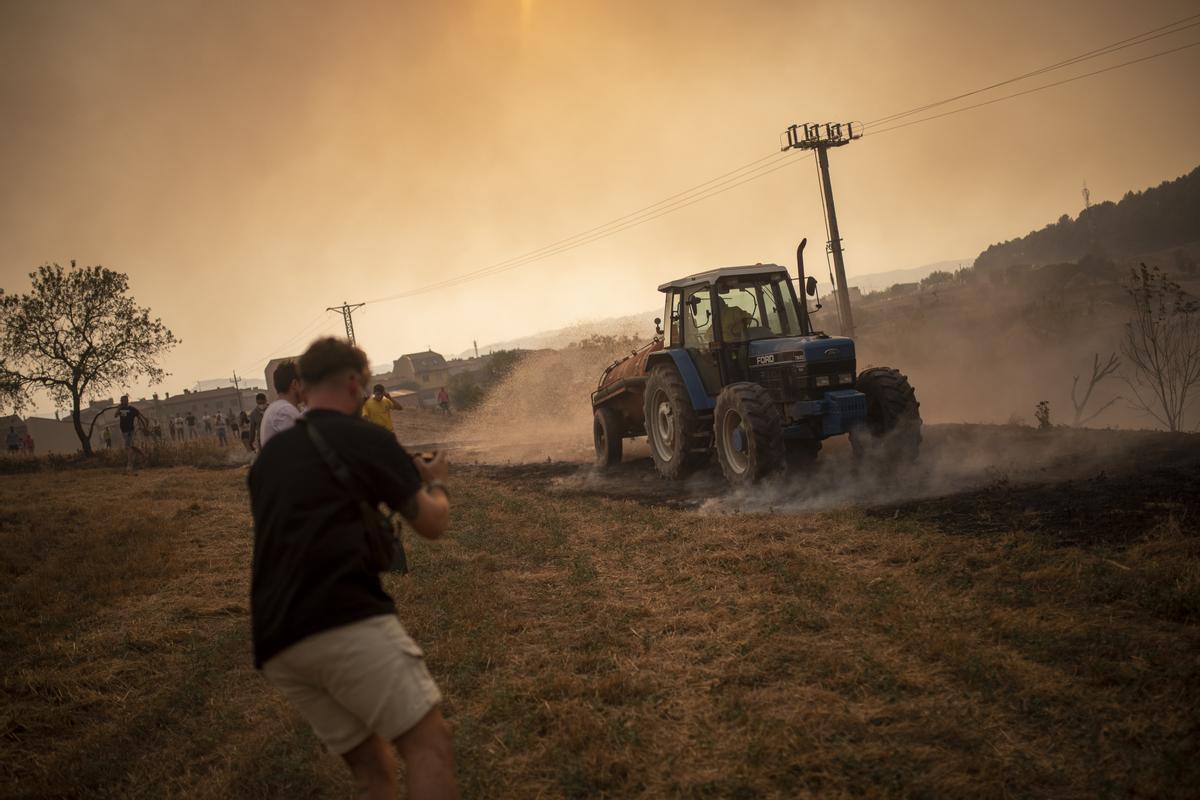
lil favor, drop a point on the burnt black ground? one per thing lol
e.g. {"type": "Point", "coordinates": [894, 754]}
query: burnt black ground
{"type": "Point", "coordinates": [1077, 486]}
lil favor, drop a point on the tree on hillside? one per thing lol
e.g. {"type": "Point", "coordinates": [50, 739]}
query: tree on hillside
{"type": "Point", "coordinates": [936, 277]}
{"type": "Point", "coordinates": [76, 332]}
{"type": "Point", "coordinates": [1162, 345]}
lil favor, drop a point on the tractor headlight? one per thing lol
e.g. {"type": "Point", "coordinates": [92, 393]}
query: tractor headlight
{"type": "Point", "coordinates": [846, 377]}
{"type": "Point", "coordinates": [822, 380]}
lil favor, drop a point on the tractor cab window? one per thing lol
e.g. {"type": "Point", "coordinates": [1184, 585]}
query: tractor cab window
{"type": "Point", "coordinates": [756, 307]}
{"type": "Point", "coordinates": [697, 317]}
{"type": "Point", "coordinates": [674, 316]}
{"type": "Point", "coordinates": [781, 312]}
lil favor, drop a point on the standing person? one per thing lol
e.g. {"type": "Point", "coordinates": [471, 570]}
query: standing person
{"type": "Point", "coordinates": [207, 421]}
{"type": "Point", "coordinates": [378, 408]}
{"type": "Point", "coordinates": [27, 442]}
{"type": "Point", "coordinates": [171, 428]}
{"type": "Point", "coordinates": [127, 417]}
{"type": "Point", "coordinates": [156, 430]}
{"type": "Point", "coordinates": [283, 413]}
{"type": "Point", "coordinates": [106, 435]}
{"type": "Point", "coordinates": [191, 426]}
{"type": "Point", "coordinates": [219, 422]}
{"type": "Point", "coordinates": [443, 398]}
{"type": "Point", "coordinates": [325, 632]}
{"type": "Point", "coordinates": [13, 440]}
{"type": "Point", "coordinates": [244, 431]}
{"type": "Point", "coordinates": [256, 418]}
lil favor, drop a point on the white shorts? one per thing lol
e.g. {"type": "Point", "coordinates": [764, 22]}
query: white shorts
{"type": "Point", "coordinates": [355, 680]}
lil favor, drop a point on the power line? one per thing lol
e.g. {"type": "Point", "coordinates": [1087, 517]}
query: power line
{"type": "Point", "coordinates": [1034, 89]}
{"type": "Point", "coordinates": [631, 221]}
{"type": "Point", "coordinates": [675, 201]}
{"type": "Point", "coordinates": [311, 325]}
{"type": "Point", "coordinates": [719, 184]}
{"type": "Point", "coordinates": [1122, 44]}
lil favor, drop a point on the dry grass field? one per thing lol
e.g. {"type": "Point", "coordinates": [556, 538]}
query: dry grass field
{"type": "Point", "coordinates": [1001, 641]}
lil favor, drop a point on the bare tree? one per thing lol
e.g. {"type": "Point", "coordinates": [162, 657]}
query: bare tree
{"type": "Point", "coordinates": [77, 331]}
{"type": "Point", "coordinates": [1162, 345]}
{"type": "Point", "coordinates": [1099, 373]}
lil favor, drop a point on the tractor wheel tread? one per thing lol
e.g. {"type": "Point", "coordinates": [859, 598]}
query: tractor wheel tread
{"type": "Point", "coordinates": [606, 435]}
{"type": "Point", "coordinates": [893, 427]}
{"type": "Point", "coordinates": [693, 449]}
{"type": "Point", "coordinates": [765, 450]}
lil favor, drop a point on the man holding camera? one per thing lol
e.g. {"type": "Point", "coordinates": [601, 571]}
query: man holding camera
{"type": "Point", "coordinates": [325, 632]}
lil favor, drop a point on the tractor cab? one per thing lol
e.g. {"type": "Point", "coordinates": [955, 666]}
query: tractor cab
{"type": "Point", "coordinates": [746, 324]}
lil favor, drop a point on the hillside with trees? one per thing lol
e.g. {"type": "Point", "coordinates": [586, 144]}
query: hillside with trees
{"type": "Point", "coordinates": [1163, 217]}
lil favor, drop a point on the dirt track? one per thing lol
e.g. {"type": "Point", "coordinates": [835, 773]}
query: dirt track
{"type": "Point", "coordinates": [1078, 485]}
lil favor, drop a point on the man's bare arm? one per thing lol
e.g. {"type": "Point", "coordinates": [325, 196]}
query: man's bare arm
{"type": "Point", "coordinates": [429, 510]}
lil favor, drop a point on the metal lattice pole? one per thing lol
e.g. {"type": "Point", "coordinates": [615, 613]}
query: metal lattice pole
{"type": "Point", "coordinates": [347, 312]}
{"type": "Point", "coordinates": [820, 138]}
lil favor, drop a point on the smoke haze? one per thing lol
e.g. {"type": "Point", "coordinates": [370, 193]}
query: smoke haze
{"type": "Point", "coordinates": [250, 164]}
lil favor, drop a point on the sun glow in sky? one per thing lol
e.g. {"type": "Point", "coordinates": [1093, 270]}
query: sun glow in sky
{"type": "Point", "coordinates": [250, 164]}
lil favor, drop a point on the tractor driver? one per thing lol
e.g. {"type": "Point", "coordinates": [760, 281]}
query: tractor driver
{"type": "Point", "coordinates": [734, 319]}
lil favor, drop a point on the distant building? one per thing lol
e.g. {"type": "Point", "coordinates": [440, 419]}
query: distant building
{"type": "Point", "coordinates": [425, 373]}
{"type": "Point", "coordinates": [423, 369]}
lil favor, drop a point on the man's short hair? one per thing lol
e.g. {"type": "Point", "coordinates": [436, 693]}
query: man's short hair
{"type": "Point", "coordinates": [329, 357]}
{"type": "Point", "coordinates": [285, 373]}
{"type": "Point", "coordinates": [378, 387]}
{"type": "Point", "coordinates": [260, 398]}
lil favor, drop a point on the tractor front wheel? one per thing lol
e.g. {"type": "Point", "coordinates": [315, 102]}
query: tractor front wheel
{"type": "Point", "coordinates": [606, 432]}
{"type": "Point", "coordinates": [891, 435]}
{"type": "Point", "coordinates": [678, 441]}
{"type": "Point", "coordinates": [749, 433]}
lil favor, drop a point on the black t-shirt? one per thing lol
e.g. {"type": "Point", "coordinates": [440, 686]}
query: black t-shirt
{"type": "Point", "coordinates": [309, 572]}
{"type": "Point", "coordinates": [126, 416]}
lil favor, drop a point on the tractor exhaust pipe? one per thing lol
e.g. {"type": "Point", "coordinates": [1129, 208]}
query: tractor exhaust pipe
{"type": "Point", "coordinates": [808, 286]}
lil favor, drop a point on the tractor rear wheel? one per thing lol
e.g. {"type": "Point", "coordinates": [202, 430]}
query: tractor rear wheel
{"type": "Point", "coordinates": [891, 435]}
{"type": "Point", "coordinates": [679, 441]}
{"type": "Point", "coordinates": [606, 432]}
{"type": "Point", "coordinates": [749, 433]}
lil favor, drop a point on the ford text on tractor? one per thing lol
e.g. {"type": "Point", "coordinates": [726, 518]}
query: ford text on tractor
{"type": "Point", "coordinates": [738, 369]}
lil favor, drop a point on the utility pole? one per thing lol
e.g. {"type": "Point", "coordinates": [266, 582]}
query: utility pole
{"type": "Point", "coordinates": [346, 310]}
{"type": "Point", "coordinates": [813, 136]}
{"type": "Point", "coordinates": [238, 388]}
{"type": "Point", "coordinates": [1091, 223]}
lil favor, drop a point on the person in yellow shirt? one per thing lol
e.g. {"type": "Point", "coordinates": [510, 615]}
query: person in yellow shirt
{"type": "Point", "coordinates": [378, 408]}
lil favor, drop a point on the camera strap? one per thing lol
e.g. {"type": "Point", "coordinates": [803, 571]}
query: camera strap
{"type": "Point", "coordinates": [341, 473]}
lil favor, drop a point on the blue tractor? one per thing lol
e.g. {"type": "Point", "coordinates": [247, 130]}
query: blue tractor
{"type": "Point", "coordinates": [738, 369]}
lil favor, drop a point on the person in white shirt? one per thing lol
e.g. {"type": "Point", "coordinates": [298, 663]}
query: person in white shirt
{"type": "Point", "coordinates": [283, 413]}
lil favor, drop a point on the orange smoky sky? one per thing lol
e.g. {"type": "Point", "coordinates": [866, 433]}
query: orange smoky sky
{"type": "Point", "coordinates": [250, 163]}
